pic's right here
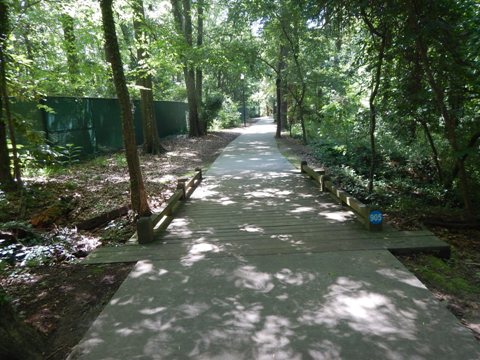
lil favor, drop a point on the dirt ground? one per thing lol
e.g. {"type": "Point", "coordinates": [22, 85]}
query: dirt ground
{"type": "Point", "coordinates": [454, 281]}
{"type": "Point", "coordinates": [55, 293]}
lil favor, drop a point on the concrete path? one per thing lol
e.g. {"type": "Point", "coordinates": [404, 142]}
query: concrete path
{"type": "Point", "coordinates": [260, 265]}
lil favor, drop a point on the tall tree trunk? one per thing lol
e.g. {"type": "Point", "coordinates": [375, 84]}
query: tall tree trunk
{"type": "Point", "coordinates": [278, 88]}
{"type": "Point", "coordinates": [137, 189]}
{"type": "Point", "coordinates": [151, 140]}
{"type": "Point", "coordinates": [183, 22]}
{"type": "Point", "coordinates": [373, 94]}
{"type": "Point", "coordinates": [70, 47]}
{"type": "Point", "coordinates": [5, 102]}
{"type": "Point", "coordinates": [429, 137]}
{"type": "Point", "coordinates": [6, 179]}
{"type": "Point", "coordinates": [301, 112]}
{"type": "Point", "coordinates": [283, 90]}
{"type": "Point", "coordinates": [449, 117]}
{"type": "Point", "coordinates": [199, 71]}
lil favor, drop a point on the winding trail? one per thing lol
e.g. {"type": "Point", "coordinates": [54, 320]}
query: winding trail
{"type": "Point", "coordinates": [259, 264]}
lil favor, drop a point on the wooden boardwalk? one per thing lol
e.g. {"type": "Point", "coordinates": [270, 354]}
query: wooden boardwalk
{"type": "Point", "coordinates": [254, 202]}
{"type": "Point", "coordinates": [259, 264]}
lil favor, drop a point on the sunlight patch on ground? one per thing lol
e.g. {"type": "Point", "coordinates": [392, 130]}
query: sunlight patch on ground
{"type": "Point", "coordinates": [273, 341]}
{"type": "Point", "coordinates": [248, 277]}
{"type": "Point", "coordinates": [198, 251]}
{"type": "Point", "coordinates": [287, 276]}
{"type": "Point", "coordinates": [251, 228]}
{"type": "Point", "coordinates": [302, 209]}
{"type": "Point", "coordinates": [402, 276]}
{"type": "Point", "coordinates": [340, 216]}
{"type": "Point", "coordinates": [350, 302]}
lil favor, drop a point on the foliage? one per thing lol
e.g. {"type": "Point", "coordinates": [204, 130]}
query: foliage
{"type": "Point", "coordinates": [228, 116]}
{"type": "Point", "coordinates": [212, 106]}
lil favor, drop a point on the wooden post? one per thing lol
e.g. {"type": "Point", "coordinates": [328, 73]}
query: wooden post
{"type": "Point", "coordinates": [181, 186]}
{"type": "Point", "coordinates": [302, 164]}
{"type": "Point", "coordinates": [145, 230]}
{"type": "Point", "coordinates": [373, 224]}
{"type": "Point", "coordinates": [200, 171]}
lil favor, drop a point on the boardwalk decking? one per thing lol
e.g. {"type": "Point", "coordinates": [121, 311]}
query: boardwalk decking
{"type": "Point", "coordinates": [253, 201]}
{"type": "Point", "coordinates": [259, 264]}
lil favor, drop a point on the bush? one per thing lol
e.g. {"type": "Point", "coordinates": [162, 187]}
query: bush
{"type": "Point", "coordinates": [228, 116]}
{"type": "Point", "coordinates": [211, 108]}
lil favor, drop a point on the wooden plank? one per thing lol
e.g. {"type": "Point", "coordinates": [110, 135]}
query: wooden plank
{"type": "Point", "coordinates": [179, 251]}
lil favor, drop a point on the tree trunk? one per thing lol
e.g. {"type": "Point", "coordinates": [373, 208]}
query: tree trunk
{"type": "Point", "coordinates": [151, 140]}
{"type": "Point", "coordinates": [199, 72]}
{"type": "Point", "coordinates": [373, 95]}
{"type": "Point", "coordinates": [5, 102]}
{"type": "Point", "coordinates": [283, 89]}
{"type": "Point", "coordinates": [183, 22]}
{"type": "Point", "coordinates": [6, 179]}
{"type": "Point", "coordinates": [278, 87]}
{"type": "Point", "coordinates": [302, 123]}
{"type": "Point", "coordinates": [137, 189]}
{"type": "Point", "coordinates": [428, 134]}
{"type": "Point", "coordinates": [70, 47]}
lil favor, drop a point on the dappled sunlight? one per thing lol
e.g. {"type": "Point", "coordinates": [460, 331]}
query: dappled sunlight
{"type": "Point", "coordinates": [251, 228]}
{"type": "Point", "coordinates": [302, 209]}
{"type": "Point", "coordinates": [367, 311]}
{"type": "Point", "coordinates": [275, 307]}
{"type": "Point", "coordinates": [248, 277]}
{"type": "Point", "coordinates": [198, 251]}
{"type": "Point", "coordinates": [273, 340]}
{"type": "Point", "coordinates": [268, 192]}
{"type": "Point", "coordinates": [339, 216]}
{"type": "Point", "coordinates": [401, 275]}
{"type": "Point", "coordinates": [259, 264]}
{"type": "Point", "coordinates": [287, 276]}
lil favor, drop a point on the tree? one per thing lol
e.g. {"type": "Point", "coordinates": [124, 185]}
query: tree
{"type": "Point", "coordinates": [151, 140]}
{"type": "Point", "coordinates": [70, 46]}
{"type": "Point", "coordinates": [182, 13]}
{"type": "Point", "coordinates": [137, 188]}
{"type": "Point", "coordinates": [5, 103]}
{"type": "Point", "coordinates": [376, 79]}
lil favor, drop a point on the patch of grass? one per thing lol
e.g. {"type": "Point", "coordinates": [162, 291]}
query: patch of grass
{"type": "Point", "coordinates": [450, 276]}
{"type": "Point", "coordinates": [120, 160]}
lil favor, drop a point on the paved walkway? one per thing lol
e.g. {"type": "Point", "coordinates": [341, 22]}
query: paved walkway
{"type": "Point", "coordinates": [260, 265]}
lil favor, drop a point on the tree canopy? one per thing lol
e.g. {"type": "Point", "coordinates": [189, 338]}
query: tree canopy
{"type": "Point", "coordinates": [390, 86]}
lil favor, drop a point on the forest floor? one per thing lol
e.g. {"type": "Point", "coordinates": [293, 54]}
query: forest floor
{"type": "Point", "coordinates": [455, 281]}
{"type": "Point", "coordinates": [41, 245]}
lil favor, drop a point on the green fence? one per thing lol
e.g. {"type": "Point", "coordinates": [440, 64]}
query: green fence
{"type": "Point", "coordinates": [94, 124]}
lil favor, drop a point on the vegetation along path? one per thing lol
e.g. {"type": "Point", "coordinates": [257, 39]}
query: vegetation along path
{"type": "Point", "coordinates": [260, 264]}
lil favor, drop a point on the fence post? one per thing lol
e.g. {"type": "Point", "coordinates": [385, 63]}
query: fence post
{"type": "Point", "coordinates": [302, 164]}
{"type": "Point", "coordinates": [200, 177]}
{"type": "Point", "coordinates": [145, 230]}
{"type": "Point", "coordinates": [181, 186]}
{"type": "Point", "coordinates": [374, 219]}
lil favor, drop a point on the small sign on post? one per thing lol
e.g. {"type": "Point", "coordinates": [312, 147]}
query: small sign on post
{"type": "Point", "coordinates": [375, 219]}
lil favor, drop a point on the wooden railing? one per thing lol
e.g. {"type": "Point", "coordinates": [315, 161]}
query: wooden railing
{"type": "Point", "coordinates": [147, 226]}
{"type": "Point", "coordinates": [370, 217]}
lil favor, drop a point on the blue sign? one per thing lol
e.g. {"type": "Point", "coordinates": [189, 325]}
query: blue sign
{"type": "Point", "coordinates": [376, 217]}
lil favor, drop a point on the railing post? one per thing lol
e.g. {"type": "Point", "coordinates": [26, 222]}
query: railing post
{"type": "Point", "coordinates": [199, 170]}
{"type": "Point", "coordinates": [145, 230]}
{"type": "Point", "coordinates": [302, 164]}
{"type": "Point", "coordinates": [374, 219]}
{"type": "Point", "coordinates": [181, 186]}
